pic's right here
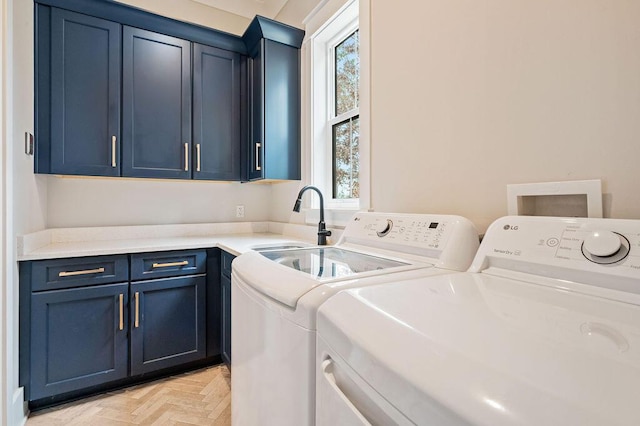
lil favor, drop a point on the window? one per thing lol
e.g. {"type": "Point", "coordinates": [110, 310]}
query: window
{"type": "Point", "coordinates": [336, 155]}
{"type": "Point", "coordinates": [345, 123]}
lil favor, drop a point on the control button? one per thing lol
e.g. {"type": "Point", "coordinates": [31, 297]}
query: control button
{"type": "Point", "coordinates": [602, 243]}
{"type": "Point", "coordinates": [605, 247]}
{"type": "Point", "coordinates": [553, 242]}
{"type": "Point", "coordinates": [384, 228]}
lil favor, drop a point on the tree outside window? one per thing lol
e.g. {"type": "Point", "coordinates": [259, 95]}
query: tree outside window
{"type": "Point", "coordinates": [345, 133]}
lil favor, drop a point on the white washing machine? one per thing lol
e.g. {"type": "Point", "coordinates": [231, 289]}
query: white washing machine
{"type": "Point", "coordinates": [276, 294]}
{"type": "Point", "coordinates": [543, 330]}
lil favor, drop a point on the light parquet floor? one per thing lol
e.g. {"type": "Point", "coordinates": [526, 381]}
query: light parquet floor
{"type": "Point", "coordinates": [201, 397]}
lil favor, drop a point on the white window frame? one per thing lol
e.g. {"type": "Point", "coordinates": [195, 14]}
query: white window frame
{"type": "Point", "coordinates": [338, 19]}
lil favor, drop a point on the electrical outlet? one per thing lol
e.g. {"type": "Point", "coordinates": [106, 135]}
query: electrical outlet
{"type": "Point", "coordinates": [239, 211]}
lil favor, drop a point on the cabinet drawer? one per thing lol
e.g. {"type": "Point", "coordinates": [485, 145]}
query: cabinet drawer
{"type": "Point", "coordinates": [225, 263]}
{"type": "Point", "coordinates": [78, 272]}
{"type": "Point", "coordinates": [146, 266]}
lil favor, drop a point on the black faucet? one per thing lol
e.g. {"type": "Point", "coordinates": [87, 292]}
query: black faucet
{"type": "Point", "coordinates": [322, 229]}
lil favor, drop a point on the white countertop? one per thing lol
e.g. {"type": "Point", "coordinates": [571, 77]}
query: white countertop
{"type": "Point", "coordinates": [235, 238]}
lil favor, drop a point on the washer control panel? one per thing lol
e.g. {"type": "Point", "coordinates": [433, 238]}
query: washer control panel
{"type": "Point", "coordinates": [445, 241]}
{"type": "Point", "coordinates": [607, 247]}
{"type": "Point", "coordinates": [413, 230]}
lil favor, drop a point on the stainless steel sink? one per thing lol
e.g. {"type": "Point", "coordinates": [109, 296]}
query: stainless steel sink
{"type": "Point", "coordinates": [280, 246]}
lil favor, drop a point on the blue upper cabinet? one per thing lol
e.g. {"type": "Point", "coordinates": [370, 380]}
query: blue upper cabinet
{"type": "Point", "coordinates": [156, 110]}
{"type": "Point", "coordinates": [274, 79]}
{"type": "Point", "coordinates": [216, 113]}
{"type": "Point", "coordinates": [123, 92]}
{"type": "Point", "coordinates": [83, 88]}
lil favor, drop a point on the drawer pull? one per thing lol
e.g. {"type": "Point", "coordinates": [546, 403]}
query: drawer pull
{"type": "Point", "coordinates": [121, 312]}
{"type": "Point", "coordinates": [137, 316]}
{"type": "Point", "coordinates": [166, 265]}
{"type": "Point", "coordinates": [83, 272]}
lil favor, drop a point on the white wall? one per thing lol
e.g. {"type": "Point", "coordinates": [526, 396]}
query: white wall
{"type": "Point", "coordinates": [4, 385]}
{"type": "Point", "coordinates": [470, 96]}
{"type": "Point", "coordinates": [96, 202]}
{"type": "Point", "coordinates": [192, 11]}
{"type": "Point", "coordinates": [25, 192]}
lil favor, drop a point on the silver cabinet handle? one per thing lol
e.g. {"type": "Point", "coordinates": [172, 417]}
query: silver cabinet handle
{"type": "Point", "coordinates": [258, 145]}
{"type": "Point", "coordinates": [83, 272]}
{"type": "Point", "coordinates": [166, 265]}
{"type": "Point", "coordinates": [136, 321]}
{"type": "Point", "coordinates": [121, 312]}
{"type": "Point", "coordinates": [113, 151]}
{"type": "Point", "coordinates": [197, 157]}
{"type": "Point", "coordinates": [186, 157]}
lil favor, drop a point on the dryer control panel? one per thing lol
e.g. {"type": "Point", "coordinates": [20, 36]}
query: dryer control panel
{"type": "Point", "coordinates": [575, 249]}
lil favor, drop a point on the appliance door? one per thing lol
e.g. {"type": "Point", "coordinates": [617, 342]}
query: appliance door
{"type": "Point", "coordinates": [273, 358]}
{"type": "Point", "coordinates": [343, 398]}
{"type": "Point", "coordinates": [485, 350]}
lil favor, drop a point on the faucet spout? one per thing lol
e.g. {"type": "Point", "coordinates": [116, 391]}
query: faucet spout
{"type": "Point", "coordinates": [323, 233]}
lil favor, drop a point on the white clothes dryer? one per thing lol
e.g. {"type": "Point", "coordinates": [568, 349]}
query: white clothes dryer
{"type": "Point", "coordinates": [543, 330]}
{"type": "Point", "coordinates": [275, 296]}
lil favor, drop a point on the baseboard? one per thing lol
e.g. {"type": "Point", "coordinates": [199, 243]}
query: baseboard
{"type": "Point", "coordinates": [19, 410]}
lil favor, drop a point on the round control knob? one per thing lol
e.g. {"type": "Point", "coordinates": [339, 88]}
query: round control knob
{"type": "Point", "coordinates": [602, 243]}
{"type": "Point", "coordinates": [384, 228]}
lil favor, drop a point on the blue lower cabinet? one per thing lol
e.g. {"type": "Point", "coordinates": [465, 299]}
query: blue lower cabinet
{"type": "Point", "coordinates": [226, 319]}
{"type": "Point", "coordinates": [167, 323]}
{"type": "Point", "coordinates": [78, 338]}
{"type": "Point", "coordinates": [225, 286]}
{"type": "Point", "coordinates": [91, 323]}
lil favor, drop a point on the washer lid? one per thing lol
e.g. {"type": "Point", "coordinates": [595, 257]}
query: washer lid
{"type": "Point", "coordinates": [286, 275]}
{"type": "Point", "coordinates": [492, 350]}
{"type": "Point", "coordinates": [330, 262]}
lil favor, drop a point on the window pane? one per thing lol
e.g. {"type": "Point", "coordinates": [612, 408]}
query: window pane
{"type": "Point", "coordinates": [347, 68]}
{"type": "Point", "coordinates": [346, 159]}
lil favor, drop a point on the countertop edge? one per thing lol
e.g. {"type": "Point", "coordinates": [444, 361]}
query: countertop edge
{"type": "Point", "coordinates": [235, 238]}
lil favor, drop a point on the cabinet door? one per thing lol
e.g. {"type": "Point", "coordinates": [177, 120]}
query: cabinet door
{"type": "Point", "coordinates": [281, 111]}
{"type": "Point", "coordinates": [255, 154]}
{"type": "Point", "coordinates": [78, 338]}
{"type": "Point", "coordinates": [216, 113]}
{"type": "Point", "coordinates": [85, 94]}
{"type": "Point", "coordinates": [226, 319]}
{"type": "Point", "coordinates": [168, 323]}
{"type": "Point", "coordinates": [156, 109]}
{"type": "Point", "coordinates": [274, 148]}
